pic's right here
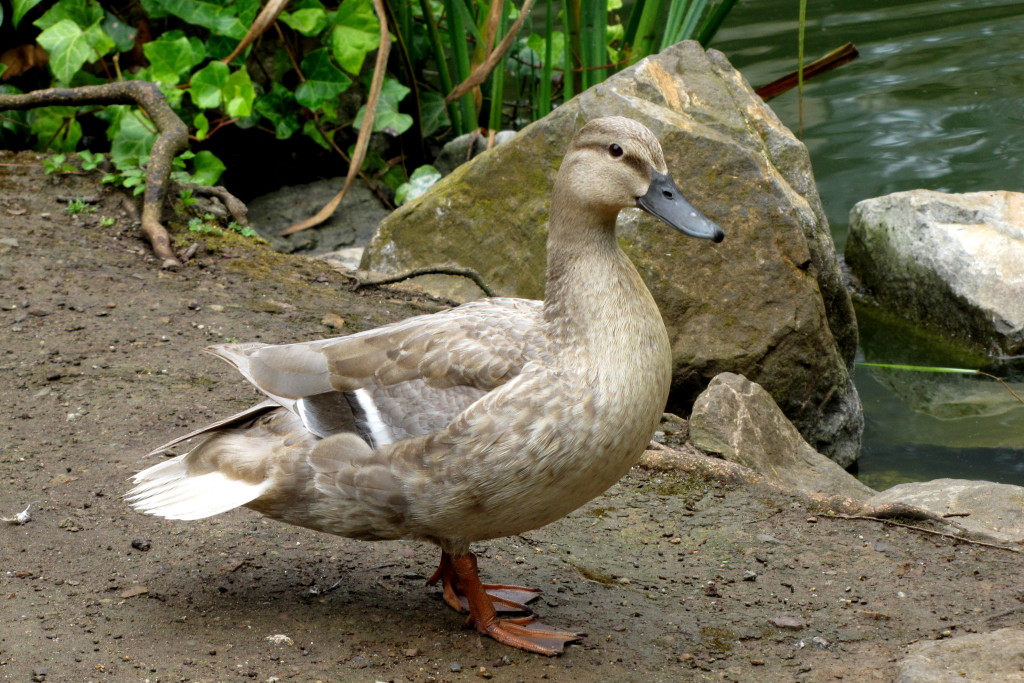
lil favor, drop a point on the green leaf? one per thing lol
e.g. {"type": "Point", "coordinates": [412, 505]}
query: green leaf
{"type": "Point", "coordinates": [433, 112]}
{"type": "Point", "coordinates": [70, 47]}
{"type": "Point", "coordinates": [310, 130]}
{"type": "Point", "coordinates": [131, 138]}
{"type": "Point", "coordinates": [207, 85]}
{"type": "Point", "coordinates": [388, 119]}
{"type": "Point", "coordinates": [201, 125]}
{"type": "Point", "coordinates": [421, 180]}
{"type": "Point", "coordinates": [221, 19]}
{"type": "Point", "coordinates": [919, 368]}
{"type": "Point", "coordinates": [55, 128]}
{"type": "Point", "coordinates": [119, 32]}
{"type": "Point", "coordinates": [90, 160]}
{"type": "Point", "coordinates": [239, 94]}
{"type": "Point", "coordinates": [171, 56]}
{"type": "Point", "coordinates": [207, 168]}
{"type": "Point", "coordinates": [356, 33]}
{"type": "Point", "coordinates": [21, 8]}
{"type": "Point", "coordinates": [278, 107]}
{"type": "Point", "coordinates": [83, 14]}
{"type": "Point", "coordinates": [308, 22]}
{"type": "Point", "coordinates": [324, 81]}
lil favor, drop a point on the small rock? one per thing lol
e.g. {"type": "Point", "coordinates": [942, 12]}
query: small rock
{"type": "Point", "coordinates": [483, 672]}
{"type": "Point", "coordinates": [455, 667]}
{"type": "Point", "coordinates": [749, 576]}
{"type": "Point", "coordinates": [765, 538]}
{"type": "Point", "coordinates": [412, 652]}
{"type": "Point", "coordinates": [134, 591]}
{"type": "Point", "coordinates": [791, 623]}
{"type": "Point", "coordinates": [333, 321]}
{"type": "Point", "coordinates": [141, 544]}
{"type": "Point", "coordinates": [280, 639]}
{"type": "Point", "coordinates": [9, 242]}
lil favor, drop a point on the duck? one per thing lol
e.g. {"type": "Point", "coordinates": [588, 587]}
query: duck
{"type": "Point", "coordinates": [486, 420]}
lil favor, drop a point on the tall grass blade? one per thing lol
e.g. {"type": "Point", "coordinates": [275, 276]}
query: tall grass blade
{"type": "Point", "coordinates": [498, 77]}
{"type": "Point", "coordinates": [927, 368]}
{"type": "Point", "coordinates": [714, 21]}
{"type": "Point", "coordinates": [454, 12]}
{"type": "Point", "coordinates": [639, 35]}
{"type": "Point", "coordinates": [593, 33]}
{"type": "Point", "coordinates": [547, 68]}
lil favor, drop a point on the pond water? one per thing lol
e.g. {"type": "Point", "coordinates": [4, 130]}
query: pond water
{"type": "Point", "coordinates": [935, 101]}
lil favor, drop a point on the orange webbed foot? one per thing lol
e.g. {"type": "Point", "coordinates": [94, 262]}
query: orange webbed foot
{"type": "Point", "coordinates": [524, 633]}
{"type": "Point", "coordinates": [505, 598]}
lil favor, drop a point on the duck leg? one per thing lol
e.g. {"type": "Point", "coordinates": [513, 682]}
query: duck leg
{"type": "Point", "coordinates": [524, 632]}
{"type": "Point", "coordinates": [504, 598]}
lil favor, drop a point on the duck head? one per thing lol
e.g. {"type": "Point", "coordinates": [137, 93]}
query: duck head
{"type": "Point", "coordinates": [619, 163]}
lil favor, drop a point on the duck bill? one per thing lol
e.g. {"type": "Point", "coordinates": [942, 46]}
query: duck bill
{"type": "Point", "coordinates": [664, 200]}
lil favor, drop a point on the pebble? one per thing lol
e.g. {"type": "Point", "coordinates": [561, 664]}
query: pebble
{"type": "Point", "coordinates": [749, 576]}
{"type": "Point", "coordinates": [787, 622]}
{"type": "Point", "coordinates": [141, 544]}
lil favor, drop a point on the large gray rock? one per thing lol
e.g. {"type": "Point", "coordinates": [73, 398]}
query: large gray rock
{"type": "Point", "coordinates": [954, 262]}
{"type": "Point", "coordinates": [982, 507]}
{"type": "Point", "coordinates": [995, 657]}
{"type": "Point", "coordinates": [351, 225]}
{"type": "Point", "coordinates": [736, 419]}
{"type": "Point", "coordinates": [768, 302]}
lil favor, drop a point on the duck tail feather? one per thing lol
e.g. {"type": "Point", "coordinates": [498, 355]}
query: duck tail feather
{"type": "Point", "coordinates": [168, 490]}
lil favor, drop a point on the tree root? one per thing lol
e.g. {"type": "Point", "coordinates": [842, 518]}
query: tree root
{"type": "Point", "coordinates": [172, 140]}
{"type": "Point", "coordinates": [457, 271]}
{"type": "Point", "coordinates": [690, 460]}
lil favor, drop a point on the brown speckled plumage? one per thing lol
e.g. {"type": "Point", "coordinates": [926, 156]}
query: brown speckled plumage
{"type": "Point", "coordinates": [503, 414]}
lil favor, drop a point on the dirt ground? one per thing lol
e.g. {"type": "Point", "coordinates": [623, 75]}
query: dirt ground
{"type": "Point", "coordinates": [673, 578]}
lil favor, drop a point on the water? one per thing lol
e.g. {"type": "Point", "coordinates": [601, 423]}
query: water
{"type": "Point", "coordinates": [935, 101]}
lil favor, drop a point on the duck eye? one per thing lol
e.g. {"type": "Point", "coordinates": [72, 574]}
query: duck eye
{"type": "Point", "coordinates": [615, 150]}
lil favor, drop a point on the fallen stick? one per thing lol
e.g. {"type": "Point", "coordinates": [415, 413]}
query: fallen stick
{"type": "Point", "coordinates": [429, 270]}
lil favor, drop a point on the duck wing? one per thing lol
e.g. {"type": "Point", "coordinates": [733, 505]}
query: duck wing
{"type": "Point", "coordinates": [417, 374]}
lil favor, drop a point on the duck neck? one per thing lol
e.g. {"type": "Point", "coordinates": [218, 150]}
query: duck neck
{"type": "Point", "coordinates": [594, 294]}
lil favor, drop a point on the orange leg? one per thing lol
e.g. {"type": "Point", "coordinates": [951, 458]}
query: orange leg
{"type": "Point", "coordinates": [505, 598]}
{"type": "Point", "coordinates": [524, 633]}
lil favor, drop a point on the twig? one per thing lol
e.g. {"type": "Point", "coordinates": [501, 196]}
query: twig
{"type": "Point", "coordinates": [363, 140]}
{"type": "Point", "coordinates": [923, 530]}
{"type": "Point", "coordinates": [173, 139]}
{"type": "Point", "coordinates": [833, 60]}
{"type": "Point", "coordinates": [429, 270]}
{"type": "Point", "coordinates": [480, 74]}
{"type": "Point", "coordinates": [267, 16]}
{"type": "Point", "coordinates": [235, 206]}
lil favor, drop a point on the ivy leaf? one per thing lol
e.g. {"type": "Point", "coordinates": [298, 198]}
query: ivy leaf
{"type": "Point", "coordinates": [278, 107]}
{"type": "Point", "coordinates": [70, 47]}
{"type": "Point", "coordinates": [207, 168]}
{"type": "Point", "coordinates": [55, 127]}
{"type": "Point", "coordinates": [201, 125]}
{"type": "Point", "coordinates": [207, 85]}
{"type": "Point", "coordinates": [421, 180]}
{"type": "Point", "coordinates": [324, 81]}
{"type": "Point", "coordinates": [119, 32]}
{"type": "Point", "coordinates": [308, 22]}
{"type": "Point", "coordinates": [433, 112]}
{"type": "Point", "coordinates": [388, 119]}
{"type": "Point", "coordinates": [239, 94]}
{"type": "Point", "coordinates": [83, 14]}
{"type": "Point", "coordinates": [171, 56]}
{"type": "Point", "coordinates": [221, 19]}
{"type": "Point", "coordinates": [356, 33]}
{"type": "Point", "coordinates": [21, 8]}
{"type": "Point", "coordinates": [130, 137]}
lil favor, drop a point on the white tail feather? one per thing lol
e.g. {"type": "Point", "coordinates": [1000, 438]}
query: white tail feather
{"type": "Point", "coordinates": [167, 490]}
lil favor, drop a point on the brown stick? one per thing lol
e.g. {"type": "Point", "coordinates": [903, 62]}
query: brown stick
{"type": "Point", "coordinates": [834, 59]}
{"type": "Point", "coordinates": [264, 20]}
{"type": "Point", "coordinates": [429, 270]}
{"type": "Point", "coordinates": [363, 140]}
{"type": "Point", "coordinates": [173, 139]}
{"type": "Point", "coordinates": [235, 206]}
{"type": "Point", "coordinates": [480, 74]}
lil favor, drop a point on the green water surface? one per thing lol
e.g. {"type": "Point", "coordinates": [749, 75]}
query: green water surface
{"type": "Point", "coordinates": [936, 101]}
